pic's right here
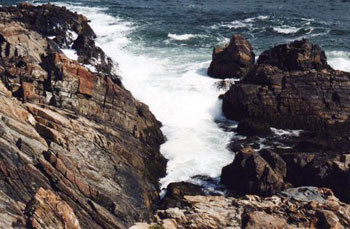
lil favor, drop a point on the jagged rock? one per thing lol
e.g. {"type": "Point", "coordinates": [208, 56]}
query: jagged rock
{"type": "Point", "coordinates": [250, 173]}
{"type": "Point", "coordinates": [64, 28]}
{"type": "Point", "coordinates": [304, 207]}
{"type": "Point", "coordinates": [176, 192]}
{"type": "Point", "coordinates": [232, 60]}
{"type": "Point", "coordinates": [253, 127]}
{"type": "Point", "coordinates": [321, 170]}
{"type": "Point", "coordinates": [47, 210]}
{"type": "Point", "coordinates": [299, 55]}
{"type": "Point", "coordinates": [78, 134]}
{"type": "Point", "coordinates": [307, 100]}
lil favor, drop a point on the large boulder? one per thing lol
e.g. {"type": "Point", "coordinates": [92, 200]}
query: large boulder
{"type": "Point", "coordinates": [299, 55]}
{"type": "Point", "coordinates": [250, 173]}
{"type": "Point", "coordinates": [232, 60]}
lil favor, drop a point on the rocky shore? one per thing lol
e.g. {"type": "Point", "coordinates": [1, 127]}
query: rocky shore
{"type": "Point", "coordinates": [77, 150]}
{"type": "Point", "coordinates": [304, 207]}
{"type": "Point", "coordinates": [291, 87]}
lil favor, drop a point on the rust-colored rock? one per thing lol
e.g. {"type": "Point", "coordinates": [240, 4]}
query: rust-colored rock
{"type": "Point", "coordinates": [78, 135]}
{"type": "Point", "coordinates": [47, 210]}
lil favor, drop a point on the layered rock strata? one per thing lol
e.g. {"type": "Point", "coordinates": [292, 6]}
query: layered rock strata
{"type": "Point", "coordinates": [75, 133]}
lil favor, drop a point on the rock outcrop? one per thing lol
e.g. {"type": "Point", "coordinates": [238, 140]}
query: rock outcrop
{"type": "Point", "coordinates": [250, 173]}
{"type": "Point", "coordinates": [47, 210]}
{"type": "Point", "coordinates": [73, 140]}
{"type": "Point", "coordinates": [266, 173]}
{"type": "Point", "coordinates": [304, 207]}
{"type": "Point", "coordinates": [232, 60]}
{"type": "Point", "coordinates": [299, 55]}
{"type": "Point", "coordinates": [309, 96]}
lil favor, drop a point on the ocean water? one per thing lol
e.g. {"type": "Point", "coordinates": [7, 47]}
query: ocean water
{"type": "Point", "coordinates": [163, 49]}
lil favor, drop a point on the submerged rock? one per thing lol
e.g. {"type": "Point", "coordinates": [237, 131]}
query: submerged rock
{"type": "Point", "coordinates": [232, 60]}
{"type": "Point", "coordinates": [69, 135]}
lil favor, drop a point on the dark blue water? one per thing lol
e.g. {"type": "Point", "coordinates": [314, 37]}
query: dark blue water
{"type": "Point", "coordinates": [326, 22]}
{"type": "Point", "coordinates": [164, 48]}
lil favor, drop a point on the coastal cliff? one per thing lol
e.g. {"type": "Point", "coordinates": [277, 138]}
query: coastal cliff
{"type": "Point", "coordinates": [77, 149]}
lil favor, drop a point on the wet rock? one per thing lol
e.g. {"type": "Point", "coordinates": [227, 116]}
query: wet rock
{"type": "Point", "coordinates": [299, 55]}
{"type": "Point", "coordinates": [253, 127]}
{"type": "Point", "coordinates": [232, 60]}
{"type": "Point", "coordinates": [250, 173]}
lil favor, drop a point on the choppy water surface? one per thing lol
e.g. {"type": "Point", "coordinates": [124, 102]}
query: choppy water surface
{"type": "Point", "coordinates": [164, 47]}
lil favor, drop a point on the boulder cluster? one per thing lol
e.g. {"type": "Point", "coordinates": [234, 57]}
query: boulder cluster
{"type": "Point", "coordinates": [77, 150]}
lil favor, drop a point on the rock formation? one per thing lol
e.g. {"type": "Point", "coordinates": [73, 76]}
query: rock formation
{"type": "Point", "coordinates": [304, 207]}
{"type": "Point", "coordinates": [266, 173]}
{"type": "Point", "coordinates": [250, 173]}
{"type": "Point", "coordinates": [309, 96]}
{"type": "Point", "coordinates": [297, 56]}
{"type": "Point", "coordinates": [232, 60]}
{"type": "Point", "coordinates": [72, 141]}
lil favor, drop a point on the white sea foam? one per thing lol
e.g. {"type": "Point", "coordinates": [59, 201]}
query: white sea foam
{"type": "Point", "coordinates": [280, 132]}
{"type": "Point", "coordinates": [286, 29]}
{"type": "Point", "coordinates": [173, 83]}
{"type": "Point", "coordinates": [339, 60]}
{"type": "Point", "coordinates": [70, 53]}
{"type": "Point", "coordinates": [181, 37]}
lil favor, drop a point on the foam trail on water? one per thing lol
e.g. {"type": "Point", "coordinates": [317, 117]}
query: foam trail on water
{"type": "Point", "coordinates": [178, 93]}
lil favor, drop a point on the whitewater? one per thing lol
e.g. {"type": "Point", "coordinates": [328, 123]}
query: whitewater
{"type": "Point", "coordinates": [173, 82]}
{"type": "Point", "coordinates": [178, 92]}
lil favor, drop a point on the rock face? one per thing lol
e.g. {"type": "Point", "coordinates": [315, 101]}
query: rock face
{"type": "Point", "coordinates": [297, 56]}
{"type": "Point", "coordinates": [176, 192]}
{"type": "Point", "coordinates": [251, 173]}
{"type": "Point", "coordinates": [266, 173]}
{"type": "Point", "coordinates": [232, 60]}
{"type": "Point", "coordinates": [253, 127]}
{"type": "Point", "coordinates": [311, 96]}
{"type": "Point", "coordinates": [72, 140]}
{"type": "Point", "coordinates": [47, 210]}
{"type": "Point", "coordinates": [304, 207]}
